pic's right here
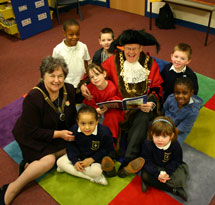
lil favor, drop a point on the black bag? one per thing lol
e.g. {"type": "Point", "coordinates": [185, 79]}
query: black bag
{"type": "Point", "coordinates": [165, 19]}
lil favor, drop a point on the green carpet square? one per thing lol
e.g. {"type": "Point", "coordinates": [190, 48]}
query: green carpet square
{"type": "Point", "coordinates": [206, 87]}
{"type": "Point", "coordinates": [202, 136]}
{"type": "Point", "coordinates": [68, 189]}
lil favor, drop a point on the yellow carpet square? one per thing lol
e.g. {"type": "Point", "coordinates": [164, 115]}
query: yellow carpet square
{"type": "Point", "coordinates": [202, 136]}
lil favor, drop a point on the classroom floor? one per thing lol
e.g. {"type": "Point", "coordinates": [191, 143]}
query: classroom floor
{"type": "Point", "coordinates": [20, 60]}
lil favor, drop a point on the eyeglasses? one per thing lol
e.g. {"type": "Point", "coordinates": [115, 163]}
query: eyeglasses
{"type": "Point", "coordinates": [131, 49]}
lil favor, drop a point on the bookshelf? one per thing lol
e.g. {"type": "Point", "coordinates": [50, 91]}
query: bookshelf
{"type": "Point", "coordinates": [28, 17]}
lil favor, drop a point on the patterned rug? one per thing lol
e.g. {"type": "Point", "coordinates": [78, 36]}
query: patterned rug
{"type": "Point", "coordinates": [199, 153]}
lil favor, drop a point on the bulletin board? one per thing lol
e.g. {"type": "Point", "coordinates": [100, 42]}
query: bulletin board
{"type": "Point", "coordinates": [32, 16]}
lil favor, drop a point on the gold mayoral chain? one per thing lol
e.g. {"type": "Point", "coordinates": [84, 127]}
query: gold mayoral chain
{"type": "Point", "coordinates": [58, 109]}
{"type": "Point", "coordinates": [133, 89]}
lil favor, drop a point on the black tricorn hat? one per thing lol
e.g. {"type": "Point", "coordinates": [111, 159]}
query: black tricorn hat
{"type": "Point", "coordinates": [131, 36]}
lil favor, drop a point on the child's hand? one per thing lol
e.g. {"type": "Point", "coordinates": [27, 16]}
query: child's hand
{"type": "Point", "coordinates": [87, 162]}
{"type": "Point", "coordinates": [163, 177]}
{"type": "Point", "coordinates": [78, 166]}
{"type": "Point", "coordinates": [102, 110]}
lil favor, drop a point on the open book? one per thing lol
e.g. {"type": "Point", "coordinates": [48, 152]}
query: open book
{"type": "Point", "coordinates": [124, 104]}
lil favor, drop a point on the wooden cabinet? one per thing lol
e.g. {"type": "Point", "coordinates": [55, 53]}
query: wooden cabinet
{"type": "Point", "coordinates": [132, 6]}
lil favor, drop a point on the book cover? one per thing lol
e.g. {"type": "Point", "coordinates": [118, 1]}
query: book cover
{"type": "Point", "coordinates": [125, 104]}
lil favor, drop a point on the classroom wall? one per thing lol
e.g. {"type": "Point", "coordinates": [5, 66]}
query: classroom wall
{"type": "Point", "coordinates": [52, 2]}
{"type": "Point", "coordinates": [134, 6]}
{"type": "Point", "coordinates": [192, 15]}
{"type": "Point", "coordinates": [186, 14]}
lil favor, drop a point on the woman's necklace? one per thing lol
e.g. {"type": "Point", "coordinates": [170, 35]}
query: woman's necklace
{"type": "Point", "coordinates": [61, 111]}
{"type": "Point", "coordinates": [58, 109]}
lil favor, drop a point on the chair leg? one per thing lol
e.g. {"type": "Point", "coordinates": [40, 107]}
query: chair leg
{"type": "Point", "coordinates": [208, 29]}
{"type": "Point", "coordinates": [79, 11]}
{"type": "Point", "coordinates": [150, 17]}
{"type": "Point", "coordinates": [57, 12]}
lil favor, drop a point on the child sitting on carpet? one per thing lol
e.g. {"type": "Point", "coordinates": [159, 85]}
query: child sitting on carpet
{"type": "Point", "coordinates": [93, 141]}
{"type": "Point", "coordinates": [104, 90]}
{"type": "Point", "coordinates": [164, 167]}
{"type": "Point", "coordinates": [183, 107]}
{"type": "Point", "coordinates": [106, 37]}
{"type": "Point", "coordinates": [180, 57]}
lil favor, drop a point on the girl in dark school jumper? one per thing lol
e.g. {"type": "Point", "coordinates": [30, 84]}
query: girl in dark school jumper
{"type": "Point", "coordinates": [93, 141]}
{"type": "Point", "coordinates": [164, 167]}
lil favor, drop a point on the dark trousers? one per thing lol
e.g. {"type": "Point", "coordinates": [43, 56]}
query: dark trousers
{"type": "Point", "coordinates": [150, 180]}
{"type": "Point", "coordinates": [137, 134]}
{"type": "Point", "coordinates": [178, 179]}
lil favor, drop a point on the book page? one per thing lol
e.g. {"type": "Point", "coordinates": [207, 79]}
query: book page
{"type": "Point", "coordinates": [116, 104]}
{"type": "Point", "coordinates": [125, 104]}
{"type": "Point", "coordinates": [133, 103]}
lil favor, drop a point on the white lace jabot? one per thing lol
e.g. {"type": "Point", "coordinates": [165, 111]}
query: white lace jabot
{"type": "Point", "coordinates": [134, 72]}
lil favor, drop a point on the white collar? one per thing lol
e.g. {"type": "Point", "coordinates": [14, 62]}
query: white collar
{"type": "Point", "coordinates": [93, 133]}
{"type": "Point", "coordinates": [72, 48]}
{"type": "Point", "coordinates": [191, 100]}
{"type": "Point", "coordinates": [164, 147]}
{"type": "Point", "coordinates": [182, 71]}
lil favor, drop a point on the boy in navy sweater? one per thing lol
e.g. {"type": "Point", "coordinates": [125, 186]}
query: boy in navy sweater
{"type": "Point", "coordinates": [180, 57]}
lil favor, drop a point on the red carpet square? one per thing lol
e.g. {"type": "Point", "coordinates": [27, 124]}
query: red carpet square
{"type": "Point", "coordinates": [209, 2]}
{"type": "Point", "coordinates": [133, 194]}
{"type": "Point", "coordinates": [211, 103]}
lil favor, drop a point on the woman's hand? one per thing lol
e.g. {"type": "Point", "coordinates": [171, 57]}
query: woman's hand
{"type": "Point", "coordinates": [146, 107]}
{"type": "Point", "coordinates": [85, 92]}
{"type": "Point", "coordinates": [87, 162]}
{"type": "Point", "coordinates": [78, 166]}
{"type": "Point", "coordinates": [64, 134]}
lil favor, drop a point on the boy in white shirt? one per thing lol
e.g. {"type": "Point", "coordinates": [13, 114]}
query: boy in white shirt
{"type": "Point", "coordinates": [74, 52]}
